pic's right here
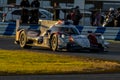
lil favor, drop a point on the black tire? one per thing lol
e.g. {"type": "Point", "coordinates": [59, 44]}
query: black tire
{"type": "Point", "coordinates": [23, 40]}
{"type": "Point", "coordinates": [100, 49]}
{"type": "Point", "coordinates": [54, 42]}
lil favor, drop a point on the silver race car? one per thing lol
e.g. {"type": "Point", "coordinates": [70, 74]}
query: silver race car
{"type": "Point", "coordinates": [61, 35]}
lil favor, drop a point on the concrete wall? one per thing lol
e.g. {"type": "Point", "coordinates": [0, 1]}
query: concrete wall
{"type": "Point", "coordinates": [80, 3]}
{"type": "Point", "coordinates": [3, 2]}
{"type": "Point", "coordinates": [42, 3]}
{"type": "Point", "coordinates": [47, 3]}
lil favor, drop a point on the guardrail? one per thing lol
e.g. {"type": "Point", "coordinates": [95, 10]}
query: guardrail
{"type": "Point", "coordinates": [9, 29]}
{"type": "Point", "coordinates": [110, 33]}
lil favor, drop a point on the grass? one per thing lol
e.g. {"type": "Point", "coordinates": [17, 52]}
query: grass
{"type": "Point", "coordinates": [20, 62]}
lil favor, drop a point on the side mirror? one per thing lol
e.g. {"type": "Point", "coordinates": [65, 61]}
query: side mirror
{"type": "Point", "coordinates": [48, 32]}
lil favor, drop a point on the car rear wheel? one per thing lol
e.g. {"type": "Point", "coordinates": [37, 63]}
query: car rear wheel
{"type": "Point", "coordinates": [23, 40]}
{"type": "Point", "coordinates": [54, 42]}
{"type": "Point", "coordinates": [100, 49]}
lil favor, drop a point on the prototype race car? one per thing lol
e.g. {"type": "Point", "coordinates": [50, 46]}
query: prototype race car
{"type": "Point", "coordinates": [61, 35]}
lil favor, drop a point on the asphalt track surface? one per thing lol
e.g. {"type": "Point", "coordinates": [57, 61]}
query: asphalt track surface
{"type": "Point", "coordinates": [112, 53]}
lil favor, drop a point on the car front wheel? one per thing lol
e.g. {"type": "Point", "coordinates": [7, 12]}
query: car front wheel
{"type": "Point", "coordinates": [23, 40]}
{"type": "Point", "coordinates": [54, 42]}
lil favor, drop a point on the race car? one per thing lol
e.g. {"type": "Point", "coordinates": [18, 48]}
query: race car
{"type": "Point", "coordinates": [59, 36]}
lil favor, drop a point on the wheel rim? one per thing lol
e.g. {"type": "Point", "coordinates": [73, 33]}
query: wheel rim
{"type": "Point", "coordinates": [22, 40]}
{"type": "Point", "coordinates": [54, 43]}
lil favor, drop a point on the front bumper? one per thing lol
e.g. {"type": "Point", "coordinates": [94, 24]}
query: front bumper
{"type": "Point", "coordinates": [72, 46]}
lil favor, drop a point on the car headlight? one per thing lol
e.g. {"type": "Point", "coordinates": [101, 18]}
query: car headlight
{"type": "Point", "coordinates": [62, 36]}
{"type": "Point", "coordinates": [71, 39]}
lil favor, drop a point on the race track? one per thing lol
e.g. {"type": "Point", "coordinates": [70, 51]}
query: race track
{"type": "Point", "coordinates": [112, 53]}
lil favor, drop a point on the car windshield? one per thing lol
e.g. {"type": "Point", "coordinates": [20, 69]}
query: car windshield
{"type": "Point", "coordinates": [44, 12]}
{"type": "Point", "coordinates": [66, 30]}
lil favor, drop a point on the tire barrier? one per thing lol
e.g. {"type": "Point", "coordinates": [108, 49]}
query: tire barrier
{"type": "Point", "coordinates": [110, 33]}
